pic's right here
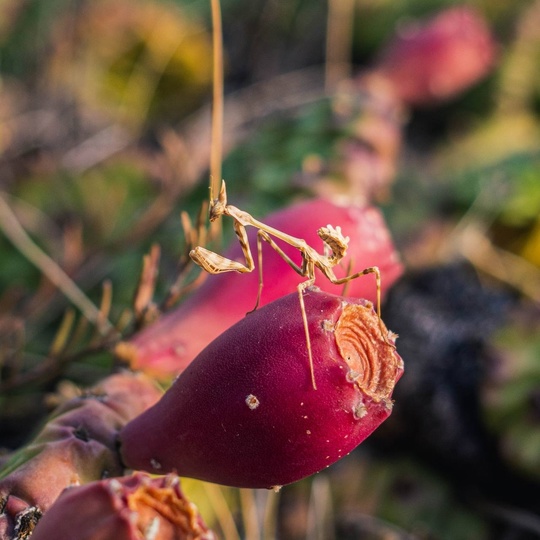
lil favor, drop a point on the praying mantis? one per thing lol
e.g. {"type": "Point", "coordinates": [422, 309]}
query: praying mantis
{"type": "Point", "coordinates": [335, 248]}
{"type": "Point", "coordinates": [335, 244]}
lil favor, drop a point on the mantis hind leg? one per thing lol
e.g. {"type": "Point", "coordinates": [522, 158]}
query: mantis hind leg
{"type": "Point", "coordinates": [306, 269]}
{"type": "Point", "coordinates": [214, 263]}
{"type": "Point", "coordinates": [260, 265]}
{"type": "Point", "coordinates": [346, 285]}
{"type": "Point", "coordinates": [263, 235]}
{"type": "Point", "coordinates": [301, 288]}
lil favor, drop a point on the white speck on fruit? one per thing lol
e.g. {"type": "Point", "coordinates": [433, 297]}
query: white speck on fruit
{"type": "Point", "coordinates": [155, 464]}
{"type": "Point", "coordinates": [328, 325]}
{"type": "Point", "coordinates": [388, 404]}
{"type": "Point", "coordinates": [276, 489]}
{"type": "Point", "coordinates": [308, 431]}
{"type": "Point", "coordinates": [252, 402]}
{"type": "Point", "coordinates": [360, 410]}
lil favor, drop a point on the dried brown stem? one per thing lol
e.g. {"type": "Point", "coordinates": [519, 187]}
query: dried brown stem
{"type": "Point", "coordinates": [217, 99]}
{"type": "Point", "coordinates": [142, 303]}
{"type": "Point", "coordinates": [219, 504]}
{"type": "Point", "coordinates": [338, 42]}
{"type": "Point", "coordinates": [499, 263]}
{"type": "Point", "coordinates": [17, 235]}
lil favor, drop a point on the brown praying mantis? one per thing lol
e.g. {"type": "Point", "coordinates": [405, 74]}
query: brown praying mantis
{"type": "Point", "coordinates": [335, 248]}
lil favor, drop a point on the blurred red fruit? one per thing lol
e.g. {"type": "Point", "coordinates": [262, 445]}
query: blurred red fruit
{"type": "Point", "coordinates": [166, 347]}
{"type": "Point", "coordinates": [130, 508]}
{"type": "Point", "coordinates": [437, 60]}
{"type": "Point", "coordinates": [372, 116]}
{"type": "Point", "coordinates": [244, 412]}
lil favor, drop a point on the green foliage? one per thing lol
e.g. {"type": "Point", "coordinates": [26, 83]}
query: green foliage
{"type": "Point", "coordinates": [268, 162]}
{"type": "Point", "coordinates": [511, 397]}
{"type": "Point", "coordinates": [105, 201]}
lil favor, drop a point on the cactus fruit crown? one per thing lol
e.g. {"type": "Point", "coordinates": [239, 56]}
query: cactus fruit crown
{"type": "Point", "coordinates": [358, 342]}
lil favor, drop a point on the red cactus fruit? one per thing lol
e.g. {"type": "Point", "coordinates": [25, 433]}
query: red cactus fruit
{"type": "Point", "coordinates": [244, 412]}
{"type": "Point", "coordinates": [372, 117]}
{"type": "Point", "coordinates": [77, 445]}
{"type": "Point", "coordinates": [440, 58]}
{"type": "Point", "coordinates": [169, 345]}
{"type": "Point", "coordinates": [136, 507]}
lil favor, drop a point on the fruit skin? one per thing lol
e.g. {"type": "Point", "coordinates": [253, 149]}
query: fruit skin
{"type": "Point", "coordinates": [130, 508]}
{"type": "Point", "coordinates": [77, 445]}
{"type": "Point", "coordinates": [437, 59]}
{"type": "Point", "coordinates": [244, 413]}
{"type": "Point", "coordinates": [166, 347]}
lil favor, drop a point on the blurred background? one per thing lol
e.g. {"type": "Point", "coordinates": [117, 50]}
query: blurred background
{"type": "Point", "coordinates": [429, 110]}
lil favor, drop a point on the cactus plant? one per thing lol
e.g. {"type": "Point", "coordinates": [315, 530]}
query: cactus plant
{"type": "Point", "coordinates": [77, 445]}
{"type": "Point", "coordinates": [244, 413]}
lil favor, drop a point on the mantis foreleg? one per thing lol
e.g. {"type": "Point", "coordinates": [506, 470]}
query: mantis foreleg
{"type": "Point", "coordinates": [216, 264]}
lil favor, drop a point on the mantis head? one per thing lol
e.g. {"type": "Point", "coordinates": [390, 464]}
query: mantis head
{"type": "Point", "coordinates": [218, 205]}
{"type": "Point", "coordinates": [335, 243]}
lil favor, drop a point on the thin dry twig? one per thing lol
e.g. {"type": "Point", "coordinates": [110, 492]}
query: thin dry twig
{"type": "Point", "coordinates": [470, 239]}
{"type": "Point", "coordinates": [217, 99]}
{"type": "Point", "coordinates": [193, 236]}
{"type": "Point", "coordinates": [503, 265]}
{"type": "Point", "coordinates": [66, 347]}
{"type": "Point", "coordinates": [338, 42]}
{"type": "Point", "coordinates": [250, 516]}
{"type": "Point", "coordinates": [518, 74]}
{"type": "Point", "coordinates": [14, 231]}
{"type": "Point", "coordinates": [222, 511]}
{"type": "Point", "coordinates": [216, 145]}
{"type": "Point", "coordinates": [320, 512]}
{"type": "Point", "coordinates": [270, 516]}
{"type": "Point", "coordinates": [49, 368]}
{"type": "Point", "coordinates": [97, 148]}
{"type": "Point", "coordinates": [188, 152]}
{"type": "Point", "coordinates": [12, 339]}
{"type": "Point", "coordinates": [142, 303]}
{"type": "Point", "coordinates": [61, 339]}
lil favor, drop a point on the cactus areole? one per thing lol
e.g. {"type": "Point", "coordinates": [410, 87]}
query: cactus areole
{"type": "Point", "coordinates": [245, 413]}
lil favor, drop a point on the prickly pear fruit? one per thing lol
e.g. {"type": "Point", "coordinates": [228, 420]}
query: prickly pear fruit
{"type": "Point", "coordinates": [245, 413]}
